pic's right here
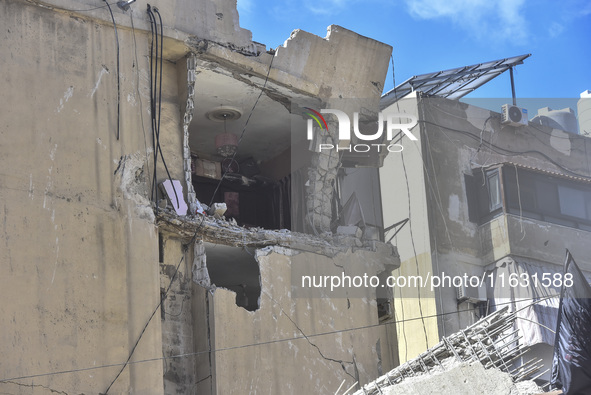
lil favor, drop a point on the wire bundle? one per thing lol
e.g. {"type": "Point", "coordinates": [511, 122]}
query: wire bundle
{"type": "Point", "coordinates": [156, 96]}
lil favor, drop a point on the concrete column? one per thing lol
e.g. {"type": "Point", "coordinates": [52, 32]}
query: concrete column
{"type": "Point", "coordinates": [321, 175]}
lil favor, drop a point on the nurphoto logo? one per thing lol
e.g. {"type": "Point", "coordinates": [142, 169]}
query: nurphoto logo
{"type": "Point", "coordinates": [394, 126]}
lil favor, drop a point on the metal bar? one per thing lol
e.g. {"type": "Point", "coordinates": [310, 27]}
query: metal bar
{"type": "Point", "coordinates": [528, 372]}
{"type": "Point", "coordinates": [498, 352]}
{"type": "Point", "coordinates": [524, 366]}
{"type": "Point", "coordinates": [539, 375]}
{"type": "Point", "coordinates": [433, 357]}
{"type": "Point", "coordinates": [513, 86]}
{"type": "Point", "coordinates": [470, 346]}
{"type": "Point", "coordinates": [424, 365]}
{"type": "Point", "coordinates": [451, 348]}
{"type": "Point", "coordinates": [517, 356]}
{"type": "Point", "coordinates": [403, 222]}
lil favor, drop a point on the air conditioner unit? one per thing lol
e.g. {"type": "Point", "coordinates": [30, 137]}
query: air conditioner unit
{"type": "Point", "coordinates": [471, 294]}
{"type": "Point", "coordinates": [513, 115]}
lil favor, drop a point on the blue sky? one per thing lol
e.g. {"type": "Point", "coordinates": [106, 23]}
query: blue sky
{"type": "Point", "coordinates": [432, 35]}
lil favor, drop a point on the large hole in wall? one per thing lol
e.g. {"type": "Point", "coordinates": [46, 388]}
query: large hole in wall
{"type": "Point", "coordinates": [235, 269]}
{"type": "Point", "coordinates": [241, 154]}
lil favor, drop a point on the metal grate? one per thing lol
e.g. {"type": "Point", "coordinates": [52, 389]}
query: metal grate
{"type": "Point", "coordinates": [492, 341]}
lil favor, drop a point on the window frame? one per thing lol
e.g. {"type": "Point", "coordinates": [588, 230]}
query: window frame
{"type": "Point", "coordinates": [513, 183]}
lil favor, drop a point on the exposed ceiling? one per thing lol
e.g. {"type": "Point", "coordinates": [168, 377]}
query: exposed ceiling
{"type": "Point", "coordinates": [269, 129]}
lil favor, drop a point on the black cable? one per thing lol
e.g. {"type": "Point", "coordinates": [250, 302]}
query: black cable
{"type": "Point", "coordinates": [412, 240]}
{"type": "Point", "coordinates": [394, 78]}
{"type": "Point", "coordinates": [162, 299]}
{"type": "Point", "coordinates": [160, 77]}
{"type": "Point", "coordinates": [507, 152]}
{"type": "Point", "coordinates": [156, 96]}
{"type": "Point", "coordinates": [244, 129]}
{"type": "Point", "coordinates": [537, 300]}
{"type": "Point", "coordinates": [152, 101]}
{"type": "Point", "coordinates": [156, 140]}
{"type": "Point", "coordinates": [572, 135]}
{"type": "Point", "coordinates": [399, 139]}
{"type": "Point", "coordinates": [118, 78]}
{"type": "Point", "coordinates": [160, 106]}
{"type": "Point", "coordinates": [137, 89]}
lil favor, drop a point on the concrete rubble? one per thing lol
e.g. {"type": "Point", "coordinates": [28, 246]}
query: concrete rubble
{"type": "Point", "coordinates": [463, 378]}
{"type": "Point", "coordinates": [479, 359]}
{"type": "Point", "coordinates": [218, 230]}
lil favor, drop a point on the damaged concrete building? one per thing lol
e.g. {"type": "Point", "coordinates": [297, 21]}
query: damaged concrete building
{"type": "Point", "coordinates": [109, 286]}
{"type": "Point", "coordinates": [474, 360]}
{"type": "Point", "coordinates": [496, 197]}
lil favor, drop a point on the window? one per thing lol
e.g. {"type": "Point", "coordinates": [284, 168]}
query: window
{"type": "Point", "coordinates": [485, 198]}
{"type": "Point", "coordinates": [494, 190]}
{"type": "Point", "coordinates": [572, 202]}
{"type": "Point", "coordinates": [530, 194]}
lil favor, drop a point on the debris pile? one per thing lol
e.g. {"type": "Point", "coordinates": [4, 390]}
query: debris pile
{"type": "Point", "coordinates": [491, 342]}
{"type": "Point", "coordinates": [216, 229]}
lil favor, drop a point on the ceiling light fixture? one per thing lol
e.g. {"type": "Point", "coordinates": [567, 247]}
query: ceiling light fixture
{"type": "Point", "coordinates": [226, 143]}
{"type": "Point", "coordinates": [124, 5]}
{"type": "Point", "coordinates": [222, 114]}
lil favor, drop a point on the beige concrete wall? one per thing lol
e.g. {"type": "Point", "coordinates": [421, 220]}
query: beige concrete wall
{"type": "Point", "coordinates": [79, 256]}
{"type": "Point", "coordinates": [267, 350]}
{"type": "Point", "coordinates": [535, 239]}
{"type": "Point", "coordinates": [217, 20]}
{"type": "Point", "coordinates": [451, 155]}
{"type": "Point", "coordinates": [342, 55]}
{"type": "Point", "coordinates": [80, 249]}
{"type": "Point", "coordinates": [415, 335]}
{"type": "Point", "coordinates": [459, 246]}
{"type": "Point", "coordinates": [176, 316]}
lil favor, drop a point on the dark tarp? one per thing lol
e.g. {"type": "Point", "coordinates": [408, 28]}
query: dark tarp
{"type": "Point", "coordinates": [571, 367]}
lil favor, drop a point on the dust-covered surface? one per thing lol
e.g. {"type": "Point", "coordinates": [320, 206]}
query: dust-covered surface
{"type": "Point", "coordinates": [462, 378]}
{"type": "Point", "coordinates": [484, 343]}
{"type": "Point", "coordinates": [131, 183]}
{"type": "Point", "coordinates": [216, 230]}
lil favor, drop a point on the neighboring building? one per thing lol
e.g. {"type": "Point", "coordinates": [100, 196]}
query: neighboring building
{"type": "Point", "coordinates": [489, 199]}
{"type": "Point", "coordinates": [584, 113]}
{"type": "Point", "coordinates": [106, 292]}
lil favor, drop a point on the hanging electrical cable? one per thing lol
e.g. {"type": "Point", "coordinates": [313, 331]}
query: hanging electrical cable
{"type": "Point", "coordinates": [534, 300]}
{"type": "Point", "coordinates": [244, 128]}
{"type": "Point", "coordinates": [160, 104]}
{"type": "Point", "coordinates": [156, 66]}
{"type": "Point", "coordinates": [154, 152]}
{"type": "Point", "coordinates": [118, 79]}
{"type": "Point", "coordinates": [137, 90]}
{"type": "Point", "coordinates": [155, 95]}
{"type": "Point", "coordinates": [162, 299]}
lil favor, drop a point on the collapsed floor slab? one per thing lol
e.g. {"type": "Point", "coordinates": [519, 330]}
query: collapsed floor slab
{"type": "Point", "coordinates": [210, 229]}
{"type": "Point", "coordinates": [491, 342]}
